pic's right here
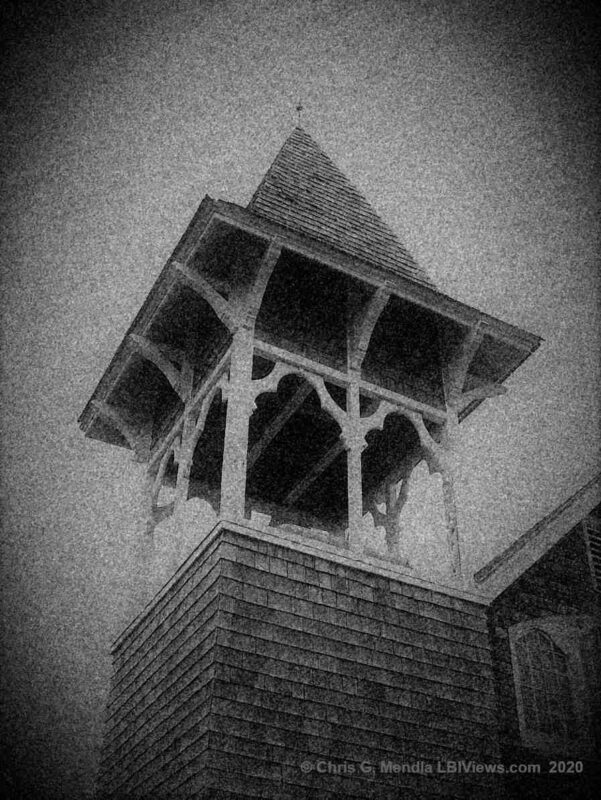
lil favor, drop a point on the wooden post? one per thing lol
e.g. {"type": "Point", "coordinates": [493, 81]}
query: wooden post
{"type": "Point", "coordinates": [355, 444]}
{"type": "Point", "coordinates": [448, 473]}
{"type": "Point", "coordinates": [239, 407]}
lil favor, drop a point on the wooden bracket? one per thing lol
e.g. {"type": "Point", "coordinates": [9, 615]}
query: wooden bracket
{"type": "Point", "coordinates": [152, 352]}
{"type": "Point", "coordinates": [254, 298]}
{"type": "Point", "coordinates": [228, 314]}
{"type": "Point", "coordinates": [362, 327]}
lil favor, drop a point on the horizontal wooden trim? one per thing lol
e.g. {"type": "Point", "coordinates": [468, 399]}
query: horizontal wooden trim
{"type": "Point", "coordinates": [339, 378]}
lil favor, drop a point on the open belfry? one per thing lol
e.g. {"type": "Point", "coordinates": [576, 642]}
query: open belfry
{"type": "Point", "coordinates": [287, 376]}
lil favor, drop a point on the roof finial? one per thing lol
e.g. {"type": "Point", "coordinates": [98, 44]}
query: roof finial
{"type": "Point", "coordinates": [299, 111]}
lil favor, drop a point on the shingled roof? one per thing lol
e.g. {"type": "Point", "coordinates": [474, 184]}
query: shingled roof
{"type": "Point", "coordinates": [305, 191]}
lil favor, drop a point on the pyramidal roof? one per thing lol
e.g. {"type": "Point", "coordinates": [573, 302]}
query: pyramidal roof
{"type": "Point", "coordinates": [306, 192]}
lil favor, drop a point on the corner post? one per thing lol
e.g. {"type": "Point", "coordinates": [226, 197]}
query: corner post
{"type": "Point", "coordinates": [239, 409]}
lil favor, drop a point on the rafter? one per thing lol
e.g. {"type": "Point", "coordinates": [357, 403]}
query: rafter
{"type": "Point", "coordinates": [152, 353]}
{"type": "Point", "coordinates": [362, 327]}
{"type": "Point", "coordinates": [318, 469]}
{"type": "Point", "coordinates": [222, 307]}
{"type": "Point", "coordinates": [277, 423]}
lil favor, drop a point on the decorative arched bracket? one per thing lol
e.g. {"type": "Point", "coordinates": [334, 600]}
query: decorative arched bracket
{"type": "Point", "coordinates": [242, 308]}
{"type": "Point", "coordinates": [194, 424]}
{"type": "Point", "coordinates": [281, 370]}
{"type": "Point", "coordinates": [254, 297]}
{"type": "Point", "coordinates": [222, 307]}
{"type": "Point", "coordinates": [155, 477]}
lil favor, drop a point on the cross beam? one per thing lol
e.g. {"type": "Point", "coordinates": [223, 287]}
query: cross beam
{"type": "Point", "coordinates": [277, 423]}
{"type": "Point", "coordinates": [152, 353]}
{"type": "Point", "coordinates": [318, 469]}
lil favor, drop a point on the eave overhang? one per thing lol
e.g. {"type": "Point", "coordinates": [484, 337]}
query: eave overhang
{"type": "Point", "coordinates": [516, 344]}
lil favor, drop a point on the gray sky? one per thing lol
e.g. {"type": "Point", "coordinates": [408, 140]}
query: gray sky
{"type": "Point", "coordinates": [471, 127]}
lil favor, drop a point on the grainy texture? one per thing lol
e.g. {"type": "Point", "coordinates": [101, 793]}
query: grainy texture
{"type": "Point", "coordinates": [305, 191]}
{"type": "Point", "coordinates": [560, 583]}
{"type": "Point", "coordinates": [260, 657]}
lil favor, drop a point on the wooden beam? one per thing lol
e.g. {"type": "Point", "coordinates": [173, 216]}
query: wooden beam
{"type": "Point", "coordinates": [218, 303]}
{"type": "Point", "coordinates": [277, 423]}
{"type": "Point", "coordinates": [355, 443]}
{"type": "Point", "coordinates": [276, 353]}
{"type": "Point", "coordinates": [324, 462]}
{"type": "Point", "coordinates": [362, 327]}
{"type": "Point", "coordinates": [152, 352]}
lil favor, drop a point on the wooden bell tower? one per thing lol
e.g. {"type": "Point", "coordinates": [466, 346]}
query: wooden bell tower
{"type": "Point", "coordinates": [291, 367]}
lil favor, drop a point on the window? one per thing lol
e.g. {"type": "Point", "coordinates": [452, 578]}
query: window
{"type": "Point", "coordinates": [554, 667]}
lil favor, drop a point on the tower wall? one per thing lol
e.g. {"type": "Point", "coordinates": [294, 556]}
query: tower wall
{"type": "Point", "coordinates": [262, 655]}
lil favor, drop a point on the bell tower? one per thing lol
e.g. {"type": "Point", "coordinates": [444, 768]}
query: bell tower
{"type": "Point", "coordinates": [291, 368]}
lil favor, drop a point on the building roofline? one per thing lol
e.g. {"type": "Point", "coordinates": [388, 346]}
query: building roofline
{"type": "Point", "coordinates": [502, 570]}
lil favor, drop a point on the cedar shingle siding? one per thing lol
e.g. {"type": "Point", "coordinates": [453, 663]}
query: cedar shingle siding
{"type": "Point", "coordinates": [260, 657]}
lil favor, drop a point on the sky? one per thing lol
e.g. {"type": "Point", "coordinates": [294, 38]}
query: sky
{"type": "Point", "coordinates": [471, 127]}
